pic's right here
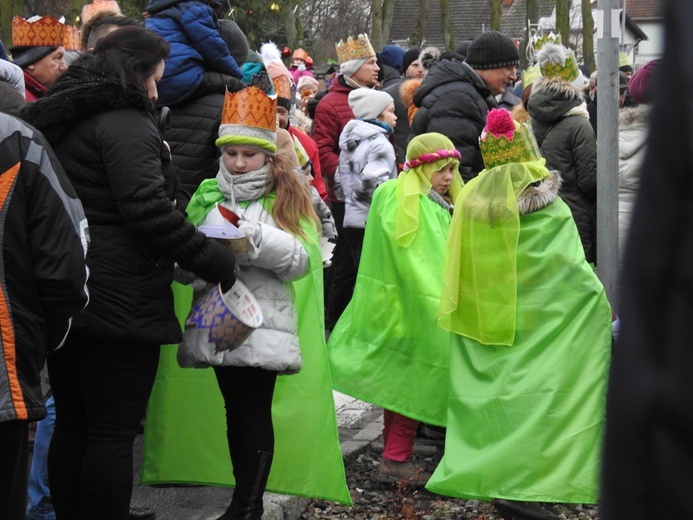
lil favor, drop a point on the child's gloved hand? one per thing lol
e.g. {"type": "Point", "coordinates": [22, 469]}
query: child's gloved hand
{"type": "Point", "coordinates": [253, 232]}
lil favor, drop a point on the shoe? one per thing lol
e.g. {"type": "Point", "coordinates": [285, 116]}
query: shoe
{"type": "Point", "coordinates": [141, 513]}
{"type": "Point", "coordinates": [391, 472]}
{"type": "Point", "coordinates": [513, 509]}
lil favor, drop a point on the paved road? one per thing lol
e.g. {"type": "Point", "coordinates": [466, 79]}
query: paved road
{"type": "Point", "coordinates": [359, 424]}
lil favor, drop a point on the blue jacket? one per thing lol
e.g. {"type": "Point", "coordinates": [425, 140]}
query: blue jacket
{"type": "Point", "coordinates": [192, 30]}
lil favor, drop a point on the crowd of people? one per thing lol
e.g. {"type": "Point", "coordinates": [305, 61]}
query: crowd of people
{"type": "Point", "coordinates": [419, 232]}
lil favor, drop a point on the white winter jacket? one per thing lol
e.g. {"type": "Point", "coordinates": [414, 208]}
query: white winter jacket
{"type": "Point", "coordinates": [367, 159]}
{"type": "Point", "coordinates": [274, 259]}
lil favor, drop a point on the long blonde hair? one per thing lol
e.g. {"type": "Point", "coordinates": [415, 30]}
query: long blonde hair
{"type": "Point", "coordinates": [293, 199]}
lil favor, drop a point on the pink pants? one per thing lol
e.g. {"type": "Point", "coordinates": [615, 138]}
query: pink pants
{"type": "Point", "coordinates": [398, 436]}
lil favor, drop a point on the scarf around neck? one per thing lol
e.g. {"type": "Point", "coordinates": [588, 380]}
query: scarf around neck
{"type": "Point", "coordinates": [248, 186]}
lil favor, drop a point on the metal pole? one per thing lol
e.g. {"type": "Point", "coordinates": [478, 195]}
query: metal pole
{"type": "Point", "coordinates": [607, 147]}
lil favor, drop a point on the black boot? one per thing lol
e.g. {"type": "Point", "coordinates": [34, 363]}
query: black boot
{"type": "Point", "coordinates": [251, 479]}
{"type": "Point", "coordinates": [512, 509]}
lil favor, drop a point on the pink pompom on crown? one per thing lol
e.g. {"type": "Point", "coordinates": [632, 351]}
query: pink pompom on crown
{"type": "Point", "coordinates": [500, 122]}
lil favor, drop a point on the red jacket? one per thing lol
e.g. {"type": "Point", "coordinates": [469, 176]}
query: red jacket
{"type": "Point", "coordinates": [331, 114]}
{"type": "Point", "coordinates": [312, 150]}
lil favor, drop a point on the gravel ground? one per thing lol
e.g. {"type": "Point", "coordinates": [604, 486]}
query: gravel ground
{"type": "Point", "coordinates": [376, 501]}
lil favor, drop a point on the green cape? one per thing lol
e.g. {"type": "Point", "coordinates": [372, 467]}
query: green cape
{"type": "Point", "coordinates": [185, 434]}
{"type": "Point", "coordinates": [525, 422]}
{"type": "Point", "coordinates": [386, 348]}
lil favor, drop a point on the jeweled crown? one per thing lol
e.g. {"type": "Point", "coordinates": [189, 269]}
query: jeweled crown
{"type": "Point", "coordinates": [44, 32]}
{"type": "Point", "coordinates": [354, 49]}
{"type": "Point", "coordinates": [506, 141]}
{"type": "Point", "coordinates": [250, 107]}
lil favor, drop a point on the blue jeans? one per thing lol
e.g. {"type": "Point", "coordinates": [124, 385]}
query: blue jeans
{"type": "Point", "coordinates": [40, 504]}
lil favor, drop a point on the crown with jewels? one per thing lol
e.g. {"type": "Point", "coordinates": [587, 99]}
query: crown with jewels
{"type": "Point", "coordinates": [557, 61]}
{"type": "Point", "coordinates": [249, 118]}
{"type": "Point", "coordinates": [354, 49]}
{"type": "Point", "coordinates": [504, 140]}
{"type": "Point", "coordinates": [46, 31]}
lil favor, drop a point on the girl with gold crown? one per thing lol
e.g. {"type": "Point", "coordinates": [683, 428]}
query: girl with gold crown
{"type": "Point", "coordinates": [531, 337]}
{"type": "Point", "coordinates": [258, 191]}
{"type": "Point", "coordinates": [386, 348]}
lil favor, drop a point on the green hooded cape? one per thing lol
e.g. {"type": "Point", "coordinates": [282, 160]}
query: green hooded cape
{"type": "Point", "coordinates": [386, 348]}
{"type": "Point", "coordinates": [525, 421]}
{"type": "Point", "coordinates": [185, 434]}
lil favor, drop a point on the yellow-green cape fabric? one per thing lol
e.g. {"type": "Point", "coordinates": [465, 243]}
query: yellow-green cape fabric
{"type": "Point", "coordinates": [525, 421]}
{"type": "Point", "coordinates": [185, 433]}
{"type": "Point", "coordinates": [386, 348]}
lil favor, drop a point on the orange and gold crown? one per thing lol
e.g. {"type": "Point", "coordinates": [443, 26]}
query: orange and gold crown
{"type": "Point", "coordinates": [71, 40]}
{"type": "Point", "coordinates": [44, 32]}
{"type": "Point", "coordinates": [282, 87]}
{"type": "Point", "coordinates": [250, 107]}
{"type": "Point", "coordinates": [506, 141]}
{"type": "Point", "coordinates": [249, 118]}
{"type": "Point", "coordinates": [354, 49]}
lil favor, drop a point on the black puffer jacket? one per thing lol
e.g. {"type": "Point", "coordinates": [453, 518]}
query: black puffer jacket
{"type": "Point", "coordinates": [562, 127]}
{"type": "Point", "coordinates": [193, 132]}
{"type": "Point", "coordinates": [107, 140]}
{"type": "Point", "coordinates": [453, 100]}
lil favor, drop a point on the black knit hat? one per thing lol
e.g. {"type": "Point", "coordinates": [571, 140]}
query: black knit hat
{"type": "Point", "coordinates": [25, 56]}
{"type": "Point", "coordinates": [492, 50]}
{"type": "Point", "coordinates": [410, 56]}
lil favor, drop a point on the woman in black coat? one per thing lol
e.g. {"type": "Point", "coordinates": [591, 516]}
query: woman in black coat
{"type": "Point", "coordinates": [99, 119]}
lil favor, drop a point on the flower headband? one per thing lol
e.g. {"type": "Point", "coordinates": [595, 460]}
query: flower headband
{"type": "Point", "coordinates": [432, 157]}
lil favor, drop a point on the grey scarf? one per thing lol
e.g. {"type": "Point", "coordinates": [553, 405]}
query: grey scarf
{"type": "Point", "coordinates": [248, 186]}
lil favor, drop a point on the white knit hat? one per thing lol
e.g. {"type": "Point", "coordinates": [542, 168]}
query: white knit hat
{"type": "Point", "coordinates": [367, 103]}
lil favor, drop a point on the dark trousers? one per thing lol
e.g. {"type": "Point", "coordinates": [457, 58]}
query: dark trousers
{"type": "Point", "coordinates": [354, 238]}
{"type": "Point", "coordinates": [101, 389]}
{"type": "Point", "coordinates": [343, 271]}
{"type": "Point", "coordinates": [14, 469]}
{"type": "Point", "coordinates": [247, 394]}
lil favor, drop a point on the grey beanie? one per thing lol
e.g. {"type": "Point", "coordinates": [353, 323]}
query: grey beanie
{"type": "Point", "coordinates": [492, 50]}
{"type": "Point", "coordinates": [235, 40]}
{"type": "Point", "coordinates": [349, 68]}
{"type": "Point", "coordinates": [25, 56]}
{"type": "Point", "coordinates": [367, 103]}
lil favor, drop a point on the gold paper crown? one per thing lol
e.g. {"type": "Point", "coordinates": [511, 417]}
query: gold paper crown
{"type": "Point", "coordinates": [530, 75]}
{"type": "Point", "coordinates": [557, 61]}
{"type": "Point", "coordinates": [282, 87]}
{"type": "Point", "coordinates": [250, 107]}
{"type": "Point", "coordinates": [539, 43]}
{"type": "Point", "coordinates": [506, 141]}
{"type": "Point", "coordinates": [354, 49]}
{"type": "Point", "coordinates": [44, 32]}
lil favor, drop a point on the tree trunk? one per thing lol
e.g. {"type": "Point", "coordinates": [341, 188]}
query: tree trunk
{"type": "Point", "coordinates": [417, 37]}
{"type": "Point", "coordinates": [588, 36]}
{"type": "Point", "coordinates": [448, 35]}
{"type": "Point", "coordinates": [376, 35]}
{"type": "Point", "coordinates": [563, 20]}
{"type": "Point", "coordinates": [8, 10]}
{"type": "Point", "coordinates": [496, 14]}
{"type": "Point", "coordinates": [289, 23]}
{"type": "Point", "coordinates": [388, 13]}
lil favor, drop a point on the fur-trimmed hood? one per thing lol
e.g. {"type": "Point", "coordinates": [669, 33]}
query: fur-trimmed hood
{"type": "Point", "coordinates": [552, 98]}
{"type": "Point", "coordinates": [80, 94]}
{"type": "Point", "coordinates": [540, 194]}
{"type": "Point", "coordinates": [407, 89]}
